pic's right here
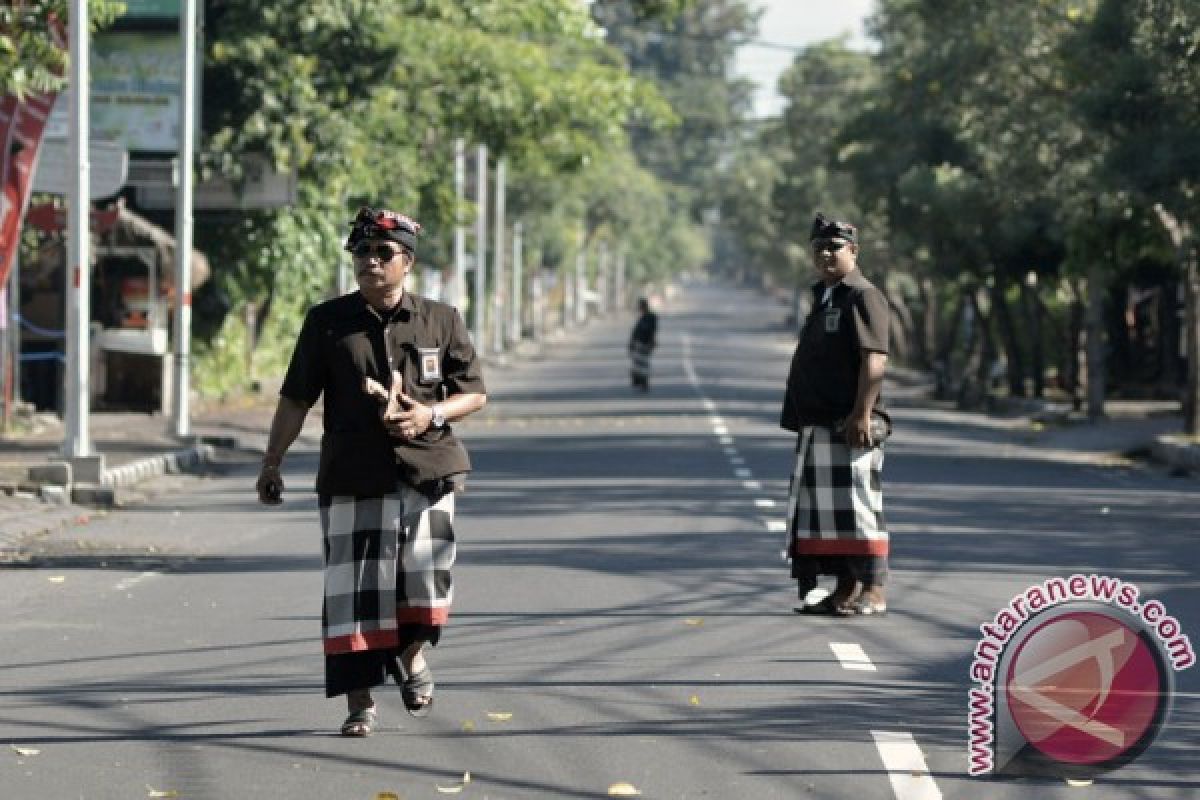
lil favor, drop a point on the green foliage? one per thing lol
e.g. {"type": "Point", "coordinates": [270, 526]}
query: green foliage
{"type": "Point", "coordinates": [33, 55]}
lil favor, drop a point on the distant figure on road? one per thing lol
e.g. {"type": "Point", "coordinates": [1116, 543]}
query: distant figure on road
{"type": "Point", "coordinates": [833, 402]}
{"type": "Point", "coordinates": [642, 342]}
{"type": "Point", "coordinates": [388, 470]}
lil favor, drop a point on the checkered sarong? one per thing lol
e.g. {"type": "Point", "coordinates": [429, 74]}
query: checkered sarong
{"type": "Point", "coordinates": [639, 360]}
{"type": "Point", "coordinates": [835, 503]}
{"type": "Point", "coordinates": [387, 564]}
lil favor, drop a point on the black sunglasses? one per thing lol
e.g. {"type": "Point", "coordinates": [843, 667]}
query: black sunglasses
{"type": "Point", "coordinates": [832, 245]}
{"type": "Point", "coordinates": [383, 252]}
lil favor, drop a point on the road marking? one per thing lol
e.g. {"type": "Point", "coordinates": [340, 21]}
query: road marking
{"type": "Point", "coordinates": [715, 420]}
{"type": "Point", "coordinates": [906, 766]}
{"type": "Point", "coordinates": [753, 486]}
{"type": "Point", "coordinates": [737, 461]}
{"type": "Point", "coordinates": [742, 472]}
{"type": "Point", "coordinates": [709, 405]}
{"type": "Point", "coordinates": [852, 656]}
{"type": "Point", "coordinates": [730, 450]}
{"type": "Point", "coordinates": [776, 525]}
{"type": "Point", "coordinates": [720, 430]}
{"type": "Point", "coordinates": [133, 580]}
{"type": "Point", "coordinates": [725, 440]}
{"type": "Point", "coordinates": [764, 502]}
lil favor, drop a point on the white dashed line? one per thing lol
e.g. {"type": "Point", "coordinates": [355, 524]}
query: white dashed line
{"type": "Point", "coordinates": [764, 502]}
{"type": "Point", "coordinates": [742, 472]}
{"type": "Point", "coordinates": [715, 420]}
{"type": "Point", "coordinates": [753, 486]}
{"type": "Point", "coordinates": [852, 656]}
{"type": "Point", "coordinates": [906, 766]}
{"type": "Point", "coordinates": [132, 581]}
{"type": "Point", "coordinates": [737, 461]}
{"type": "Point", "coordinates": [720, 430]}
{"type": "Point", "coordinates": [725, 440]}
{"type": "Point", "coordinates": [730, 451]}
{"type": "Point", "coordinates": [776, 525]}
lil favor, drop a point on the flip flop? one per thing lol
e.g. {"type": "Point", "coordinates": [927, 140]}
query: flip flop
{"type": "Point", "coordinates": [360, 723]}
{"type": "Point", "coordinates": [864, 609]}
{"type": "Point", "coordinates": [826, 606]}
{"type": "Point", "coordinates": [416, 686]}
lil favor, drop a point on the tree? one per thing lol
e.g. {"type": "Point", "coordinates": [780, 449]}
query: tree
{"type": "Point", "coordinates": [32, 56]}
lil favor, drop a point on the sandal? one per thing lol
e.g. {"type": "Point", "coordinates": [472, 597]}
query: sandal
{"type": "Point", "coordinates": [828, 607]}
{"type": "Point", "coordinates": [417, 692]}
{"type": "Point", "coordinates": [359, 723]}
{"type": "Point", "coordinates": [865, 608]}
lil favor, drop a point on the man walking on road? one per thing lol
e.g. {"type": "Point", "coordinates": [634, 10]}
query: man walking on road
{"type": "Point", "coordinates": [833, 402]}
{"type": "Point", "coordinates": [642, 341]}
{"type": "Point", "coordinates": [388, 473]}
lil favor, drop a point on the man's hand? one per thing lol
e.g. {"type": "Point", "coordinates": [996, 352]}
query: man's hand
{"type": "Point", "coordinates": [410, 420]}
{"type": "Point", "coordinates": [858, 431]}
{"type": "Point", "coordinates": [269, 485]}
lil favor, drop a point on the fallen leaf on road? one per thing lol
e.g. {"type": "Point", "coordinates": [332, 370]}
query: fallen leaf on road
{"type": "Point", "coordinates": [499, 716]}
{"type": "Point", "coordinates": [387, 796]}
{"type": "Point", "coordinates": [623, 790]}
{"type": "Point", "coordinates": [694, 621]}
{"type": "Point", "coordinates": [694, 700]}
{"type": "Point", "coordinates": [57, 578]}
{"type": "Point", "coordinates": [25, 751]}
{"type": "Point", "coordinates": [152, 792]}
{"type": "Point", "coordinates": [468, 726]}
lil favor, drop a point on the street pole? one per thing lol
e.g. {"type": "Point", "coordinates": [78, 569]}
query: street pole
{"type": "Point", "coordinates": [481, 172]}
{"type": "Point", "coordinates": [183, 223]}
{"type": "Point", "coordinates": [498, 262]}
{"type": "Point", "coordinates": [581, 280]}
{"type": "Point", "coordinates": [76, 443]}
{"type": "Point", "coordinates": [459, 295]}
{"type": "Point", "coordinates": [602, 283]}
{"type": "Point", "coordinates": [619, 299]}
{"type": "Point", "coordinates": [514, 327]}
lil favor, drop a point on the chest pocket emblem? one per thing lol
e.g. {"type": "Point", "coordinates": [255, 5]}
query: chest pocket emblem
{"type": "Point", "coordinates": [833, 319]}
{"type": "Point", "coordinates": [431, 364]}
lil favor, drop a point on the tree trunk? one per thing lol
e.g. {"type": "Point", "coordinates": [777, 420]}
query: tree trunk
{"type": "Point", "coordinates": [930, 322]}
{"type": "Point", "coordinates": [943, 365]}
{"type": "Point", "coordinates": [976, 371]}
{"type": "Point", "coordinates": [1075, 351]}
{"type": "Point", "coordinates": [1037, 365]}
{"type": "Point", "coordinates": [1094, 334]}
{"type": "Point", "coordinates": [1008, 336]}
{"type": "Point", "coordinates": [1188, 254]}
{"type": "Point", "coordinates": [1191, 394]}
{"type": "Point", "coordinates": [901, 327]}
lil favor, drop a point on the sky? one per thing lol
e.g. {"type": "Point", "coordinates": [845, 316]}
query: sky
{"type": "Point", "coordinates": [795, 23]}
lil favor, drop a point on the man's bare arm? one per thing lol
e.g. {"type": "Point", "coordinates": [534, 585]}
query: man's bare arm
{"type": "Point", "coordinates": [285, 427]}
{"type": "Point", "coordinates": [870, 384]}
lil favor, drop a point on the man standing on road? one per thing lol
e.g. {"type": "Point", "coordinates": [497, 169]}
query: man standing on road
{"type": "Point", "coordinates": [833, 402]}
{"type": "Point", "coordinates": [642, 341]}
{"type": "Point", "coordinates": [387, 479]}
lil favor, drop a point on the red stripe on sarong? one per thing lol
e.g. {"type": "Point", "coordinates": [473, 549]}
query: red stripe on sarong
{"type": "Point", "coordinates": [386, 639]}
{"type": "Point", "coordinates": [423, 616]}
{"type": "Point", "coordinates": [840, 547]}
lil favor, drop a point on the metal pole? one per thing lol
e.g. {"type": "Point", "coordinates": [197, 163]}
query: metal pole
{"type": "Point", "coordinates": [498, 262]}
{"type": "Point", "coordinates": [581, 280]}
{"type": "Point", "coordinates": [619, 300]}
{"type": "Point", "coordinates": [602, 284]}
{"type": "Point", "coordinates": [480, 245]}
{"type": "Point", "coordinates": [514, 318]}
{"type": "Point", "coordinates": [76, 443]}
{"type": "Point", "coordinates": [183, 223]}
{"type": "Point", "coordinates": [14, 336]}
{"type": "Point", "coordinates": [459, 295]}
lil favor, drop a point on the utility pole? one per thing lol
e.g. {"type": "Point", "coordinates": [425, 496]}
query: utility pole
{"type": "Point", "coordinates": [459, 295]}
{"type": "Point", "coordinates": [498, 262]}
{"type": "Point", "coordinates": [619, 294]}
{"type": "Point", "coordinates": [77, 442]}
{"type": "Point", "coordinates": [581, 280]}
{"type": "Point", "coordinates": [183, 223]}
{"type": "Point", "coordinates": [514, 319]}
{"type": "Point", "coordinates": [481, 172]}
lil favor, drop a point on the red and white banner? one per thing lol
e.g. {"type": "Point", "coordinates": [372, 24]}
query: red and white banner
{"type": "Point", "coordinates": [22, 123]}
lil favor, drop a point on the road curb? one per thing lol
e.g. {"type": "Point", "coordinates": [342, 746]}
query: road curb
{"type": "Point", "coordinates": [137, 471]}
{"type": "Point", "coordinates": [1177, 452]}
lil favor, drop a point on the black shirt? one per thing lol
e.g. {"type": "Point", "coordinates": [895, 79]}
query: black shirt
{"type": "Point", "coordinates": [342, 342]}
{"type": "Point", "coordinates": [822, 383]}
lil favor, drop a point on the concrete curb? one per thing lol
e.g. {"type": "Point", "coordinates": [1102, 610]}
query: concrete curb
{"type": "Point", "coordinates": [137, 471]}
{"type": "Point", "coordinates": [1177, 452]}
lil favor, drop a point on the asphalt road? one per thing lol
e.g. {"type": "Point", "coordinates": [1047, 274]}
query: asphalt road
{"type": "Point", "coordinates": [622, 611]}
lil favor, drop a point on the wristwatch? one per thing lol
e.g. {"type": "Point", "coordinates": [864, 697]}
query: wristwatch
{"type": "Point", "coordinates": [438, 420]}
